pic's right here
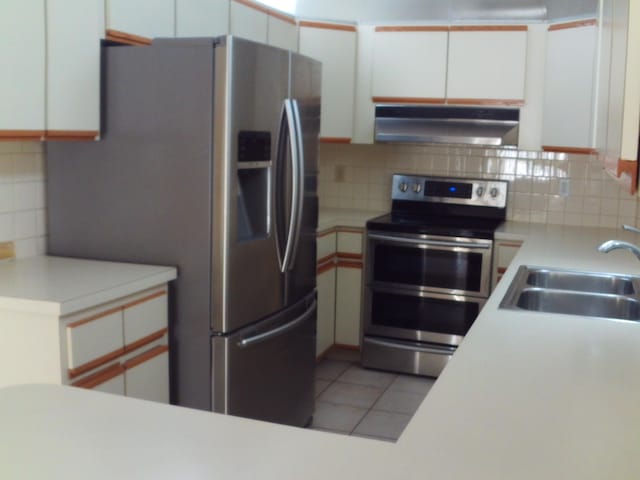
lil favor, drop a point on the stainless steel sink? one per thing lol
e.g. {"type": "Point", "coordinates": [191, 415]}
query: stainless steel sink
{"type": "Point", "coordinates": [549, 290]}
{"type": "Point", "coordinates": [579, 303]}
{"type": "Point", "coordinates": [581, 282]}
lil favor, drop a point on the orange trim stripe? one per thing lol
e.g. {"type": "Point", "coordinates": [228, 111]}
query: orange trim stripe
{"type": "Point", "coordinates": [97, 316]}
{"type": "Point", "coordinates": [100, 377]}
{"type": "Point", "coordinates": [488, 28]}
{"type": "Point", "coordinates": [434, 101]}
{"type": "Point", "coordinates": [327, 258]}
{"type": "Point", "coordinates": [144, 299]}
{"type": "Point", "coordinates": [349, 229]}
{"type": "Point", "coordinates": [349, 256]}
{"type": "Point", "coordinates": [578, 150]}
{"type": "Point", "coordinates": [501, 270]}
{"type": "Point", "coordinates": [145, 340]}
{"type": "Point", "coordinates": [71, 135]}
{"type": "Point", "coordinates": [345, 264]}
{"type": "Point", "coordinates": [576, 24]}
{"type": "Point", "coordinates": [630, 167]}
{"type": "Point", "coordinates": [84, 368]}
{"type": "Point", "coordinates": [21, 135]}
{"type": "Point", "coordinates": [484, 101]}
{"type": "Point", "coordinates": [126, 38]}
{"type": "Point", "coordinates": [325, 268]}
{"type": "Point", "coordinates": [327, 26]}
{"type": "Point", "coordinates": [505, 244]}
{"type": "Point", "coordinates": [413, 29]}
{"type": "Point", "coordinates": [335, 140]}
{"type": "Point", "coordinates": [143, 357]}
{"type": "Point", "coordinates": [324, 233]}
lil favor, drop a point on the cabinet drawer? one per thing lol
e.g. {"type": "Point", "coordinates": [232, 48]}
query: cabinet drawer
{"type": "Point", "coordinates": [93, 340]}
{"type": "Point", "coordinates": [108, 380]}
{"type": "Point", "coordinates": [145, 317]}
{"type": "Point", "coordinates": [326, 245]}
{"type": "Point", "coordinates": [147, 375]}
{"type": "Point", "coordinates": [349, 242]}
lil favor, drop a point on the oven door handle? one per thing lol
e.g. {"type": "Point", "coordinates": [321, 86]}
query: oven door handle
{"type": "Point", "coordinates": [412, 348]}
{"type": "Point", "coordinates": [435, 243]}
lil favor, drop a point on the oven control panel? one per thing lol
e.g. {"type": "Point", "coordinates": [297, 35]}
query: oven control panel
{"type": "Point", "coordinates": [463, 191]}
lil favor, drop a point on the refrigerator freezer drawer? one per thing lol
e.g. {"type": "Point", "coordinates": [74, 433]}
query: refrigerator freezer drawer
{"type": "Point", "coordinates": [266, 371]}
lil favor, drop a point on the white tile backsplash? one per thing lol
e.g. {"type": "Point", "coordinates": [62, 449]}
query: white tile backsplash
{"type": "Point", "coordinates": [22, 197]}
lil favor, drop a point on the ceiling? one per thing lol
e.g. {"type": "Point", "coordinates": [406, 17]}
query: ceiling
{"type": "Point", "coordinates": [450, 11]}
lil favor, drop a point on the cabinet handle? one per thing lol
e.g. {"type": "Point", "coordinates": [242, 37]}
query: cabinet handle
{"type": "Point", "coordinates": [143, 357]}
{"type": "Point", "coordinates": [100, 377]}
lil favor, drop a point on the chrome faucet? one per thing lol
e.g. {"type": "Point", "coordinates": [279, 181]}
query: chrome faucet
{"type": "Point", "coordinates": [609, 245]}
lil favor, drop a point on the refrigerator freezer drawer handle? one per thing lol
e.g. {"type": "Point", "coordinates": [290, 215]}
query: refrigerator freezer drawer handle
{"type": "Point", "coordinates": [247, 342]}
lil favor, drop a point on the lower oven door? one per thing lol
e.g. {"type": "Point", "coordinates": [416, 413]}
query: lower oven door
{"type": "Point", "coordinates": [418, 315]}
{"type": "Point", "coordinates": [450, 265]}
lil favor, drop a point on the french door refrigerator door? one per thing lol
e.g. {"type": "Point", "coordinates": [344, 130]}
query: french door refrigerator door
{"type": "Point", "coordinates": [269, 367]}
{"type": "Point", "coordinates": [252, 84]}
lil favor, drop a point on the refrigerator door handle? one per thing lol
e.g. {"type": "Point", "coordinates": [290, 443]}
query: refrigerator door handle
{"type": "Point", "coordinates": [290, 107]}
{"type": "Point", "coordinates": [298, 179]}
{"type": "Point", "coordinates": [263, 337]}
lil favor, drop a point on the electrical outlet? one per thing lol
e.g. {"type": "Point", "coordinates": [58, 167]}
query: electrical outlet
{"type": "Point", "coordinates": [564, 187]}
{"type": "Point", "coordinates": [339, 173]}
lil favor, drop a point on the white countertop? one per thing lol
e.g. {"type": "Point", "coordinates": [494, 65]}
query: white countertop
{"type": "Point", "coordinates": [526, 396]}
{"type": "Point", "coordinates": [60, 286]}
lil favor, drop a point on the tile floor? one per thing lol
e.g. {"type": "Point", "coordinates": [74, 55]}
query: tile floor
{"type": "Point", "coordinates": [354, 401]}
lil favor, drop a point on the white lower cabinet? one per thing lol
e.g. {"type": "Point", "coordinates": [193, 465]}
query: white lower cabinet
{"type": "Point", "coordinates": [146, 375]}
{"type": "Point", "coordinates": [505, 251]}
{"type": "Point", "coordinates": [326, 281]}
{"type": "Point", "coordinates": [348, 293]}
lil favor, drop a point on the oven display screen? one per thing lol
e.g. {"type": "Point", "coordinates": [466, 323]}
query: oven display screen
{"type": "Point", "coordinates": [447, 189]}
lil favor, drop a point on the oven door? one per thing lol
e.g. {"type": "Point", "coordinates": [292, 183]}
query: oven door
{"type": "Point", "coordinates": [449, 265]}
{"type": "Point", "coordinates": [419, 315]}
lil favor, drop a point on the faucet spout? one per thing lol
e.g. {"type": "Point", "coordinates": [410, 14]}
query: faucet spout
{"type": "Point", "coordinates": [609, 245]}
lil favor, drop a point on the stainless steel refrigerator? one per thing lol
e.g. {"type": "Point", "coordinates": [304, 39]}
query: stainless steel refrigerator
{"type": "Point", "coordinates": [208, 161]}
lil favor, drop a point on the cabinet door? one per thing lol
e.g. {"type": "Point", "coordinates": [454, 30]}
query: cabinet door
{"type": "Point", "coordinates": [569, 87]}
{"type": "Point", "coordinates": [73, 68]}
{"type": "Point", "coordinates": [348, 304]}
{"type": "Point", "coordinates": [202, 18]}
{"type": "Point", "coordinates": [147, 375]}
{"type": "Point", "coordinates": [145, 318]}
{"type": "Point", "coordinates": [503, 255]}
{"type": "Point", "coordinates": [282, 32]}
{"type": "Point", "coordinates": [326, 281]}
{"type": "Point", "coordinates": [248, 22]}
{"type": "Point", "coordinates": [409, 64]}
{"type": "Point", "coordinates": [146, 18]}
{"type": "Point", "coordinates": [22, 81]}
{"type": "Point", "coordinates": [335, 46]}
{"type": "Point", "coordinates": [93, 340]}
{"type": "Point", "coordinates": [487, 63]}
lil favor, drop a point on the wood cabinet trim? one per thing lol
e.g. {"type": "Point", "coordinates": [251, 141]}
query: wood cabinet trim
{"type": "Point", "coordinates": [416, 28]}
{"type": "Point", "coordinates": [577, 150]}
{"type": "Point", "coordinates": [143, 357]}
{"type": "Point", "coordinates": [501, 270]}
{"type": "Point", "coordinates": [85, 367]}
{"type": "Point", "coordinates": [269, 11]}
{"type": "Point", "coordinates": [7, 250]}
{"type": "Point", "coordinates": [349, 256]}
{"type": "Point", "coordinates": [144, 299]}
{"type": "Point", "coordinates": [100, 377]}
{"type": "Point", "coordinates": [349, 230]}
{"type": "Point", "coordinates": [423, 100]}
{"type": "Point", "coordinates": [21, 135]}
{"type": "Point", "coordinates": [145, 340]}
{"type": "Point", "coordinates": [485, 101]}
{"type": "Point", "coordinates": [71, 135]}
{"type": "Point", "coordinates": [92, 318]}
{"type": "Point", "coordinates": [126, 38]}
{"type": "Point", "coordinates": [327, 26]}
{"type": "Point", "coordinates": [344, 140]}
{"type": "Point", "coordinates": [488, 28]}
{"type": "Point", "coordinates": [349, 264]}
{"type": "Point", "coordinates": [326, 232]}
{"type": "Point", "coordinates": [320, 269]}
{"type": "Point", "coordinates": [576, 24]}
{"type": "Point", "coordinates": [630, 167]}
{"type": "Point", "coordinates": [508, 244]}
{"type": "Point", "coordinates": [326, 259]}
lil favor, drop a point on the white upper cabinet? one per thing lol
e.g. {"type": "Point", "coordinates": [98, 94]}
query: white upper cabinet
{"type": "Point", "coordinates": [146, 18]}
{"type": "Point", "coordinates": [569, 87]}
{"type": "Point", "coordinates": [335, 46]}
{"type": "Point", "coordinates": [248, 21]}
{"type": "Point", "coordinates": [73, 68]}
{"type": "Point", "coordinates": [487, 63]}
{"type": "Point", "coordinates": [202, 18]}
{"type": "Point", "coordinates": [409, 64]}
{"type": "Point", "coordinates": [22, 80]}
{"type": "Point", "coordinates": [282, 32]}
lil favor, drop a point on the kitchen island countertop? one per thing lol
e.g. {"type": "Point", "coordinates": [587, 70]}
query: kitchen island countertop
{"type": "Point", "coordinates": [526, 396]}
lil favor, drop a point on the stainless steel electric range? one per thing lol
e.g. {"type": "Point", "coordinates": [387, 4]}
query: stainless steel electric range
{"type": "Point", "coordinates": [428, 270]}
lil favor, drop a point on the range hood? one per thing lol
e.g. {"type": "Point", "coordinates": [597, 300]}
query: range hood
{"type": "Point", "coordinates": [447, 124]}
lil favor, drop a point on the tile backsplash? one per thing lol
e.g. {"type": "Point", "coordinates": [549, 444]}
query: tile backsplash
{"type": "Point", "coordinates": [359, 176]}
{"type": "Point", "coordinates": [22, 197]}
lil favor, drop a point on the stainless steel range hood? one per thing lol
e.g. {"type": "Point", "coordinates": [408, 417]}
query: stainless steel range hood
{"type": "Point", "coordinates": [447, 124]}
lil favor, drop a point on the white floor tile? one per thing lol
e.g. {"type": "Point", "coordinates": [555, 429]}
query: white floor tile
{"type": "Point", "coordinates": [349, 394]}
{"type": "Point", "coordinates": [340, 418]}
{"type": "Point", "coordinates": [399, 402]}
{"type": "Point", "coordinates": [406, 383]}
{"type": "Point", "coordinates": [321, 386]}
{"type": "Point", "coordinates": [331, 369]}
{"type": "Point", "coordinates": [383, 424]}
{"type": "Point", "coordinates": [370, 378]}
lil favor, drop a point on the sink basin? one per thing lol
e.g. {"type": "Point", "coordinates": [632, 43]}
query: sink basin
{"type": "Point", "coordinates": [550, 290]}
{"type": "Point", "coordinates": [579, 303]}
{"type": "Point", "coordinates": [581, 282]}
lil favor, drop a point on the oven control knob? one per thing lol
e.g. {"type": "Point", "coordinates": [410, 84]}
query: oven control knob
{"type": "Point", "coordinates": [494, 192]}
{"type": "Point", "coordinates": [417, 188]}
{"type": "Point", "coordinates": [480, 191]}
{"type": "Point", "coordinates": [404, 186]}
